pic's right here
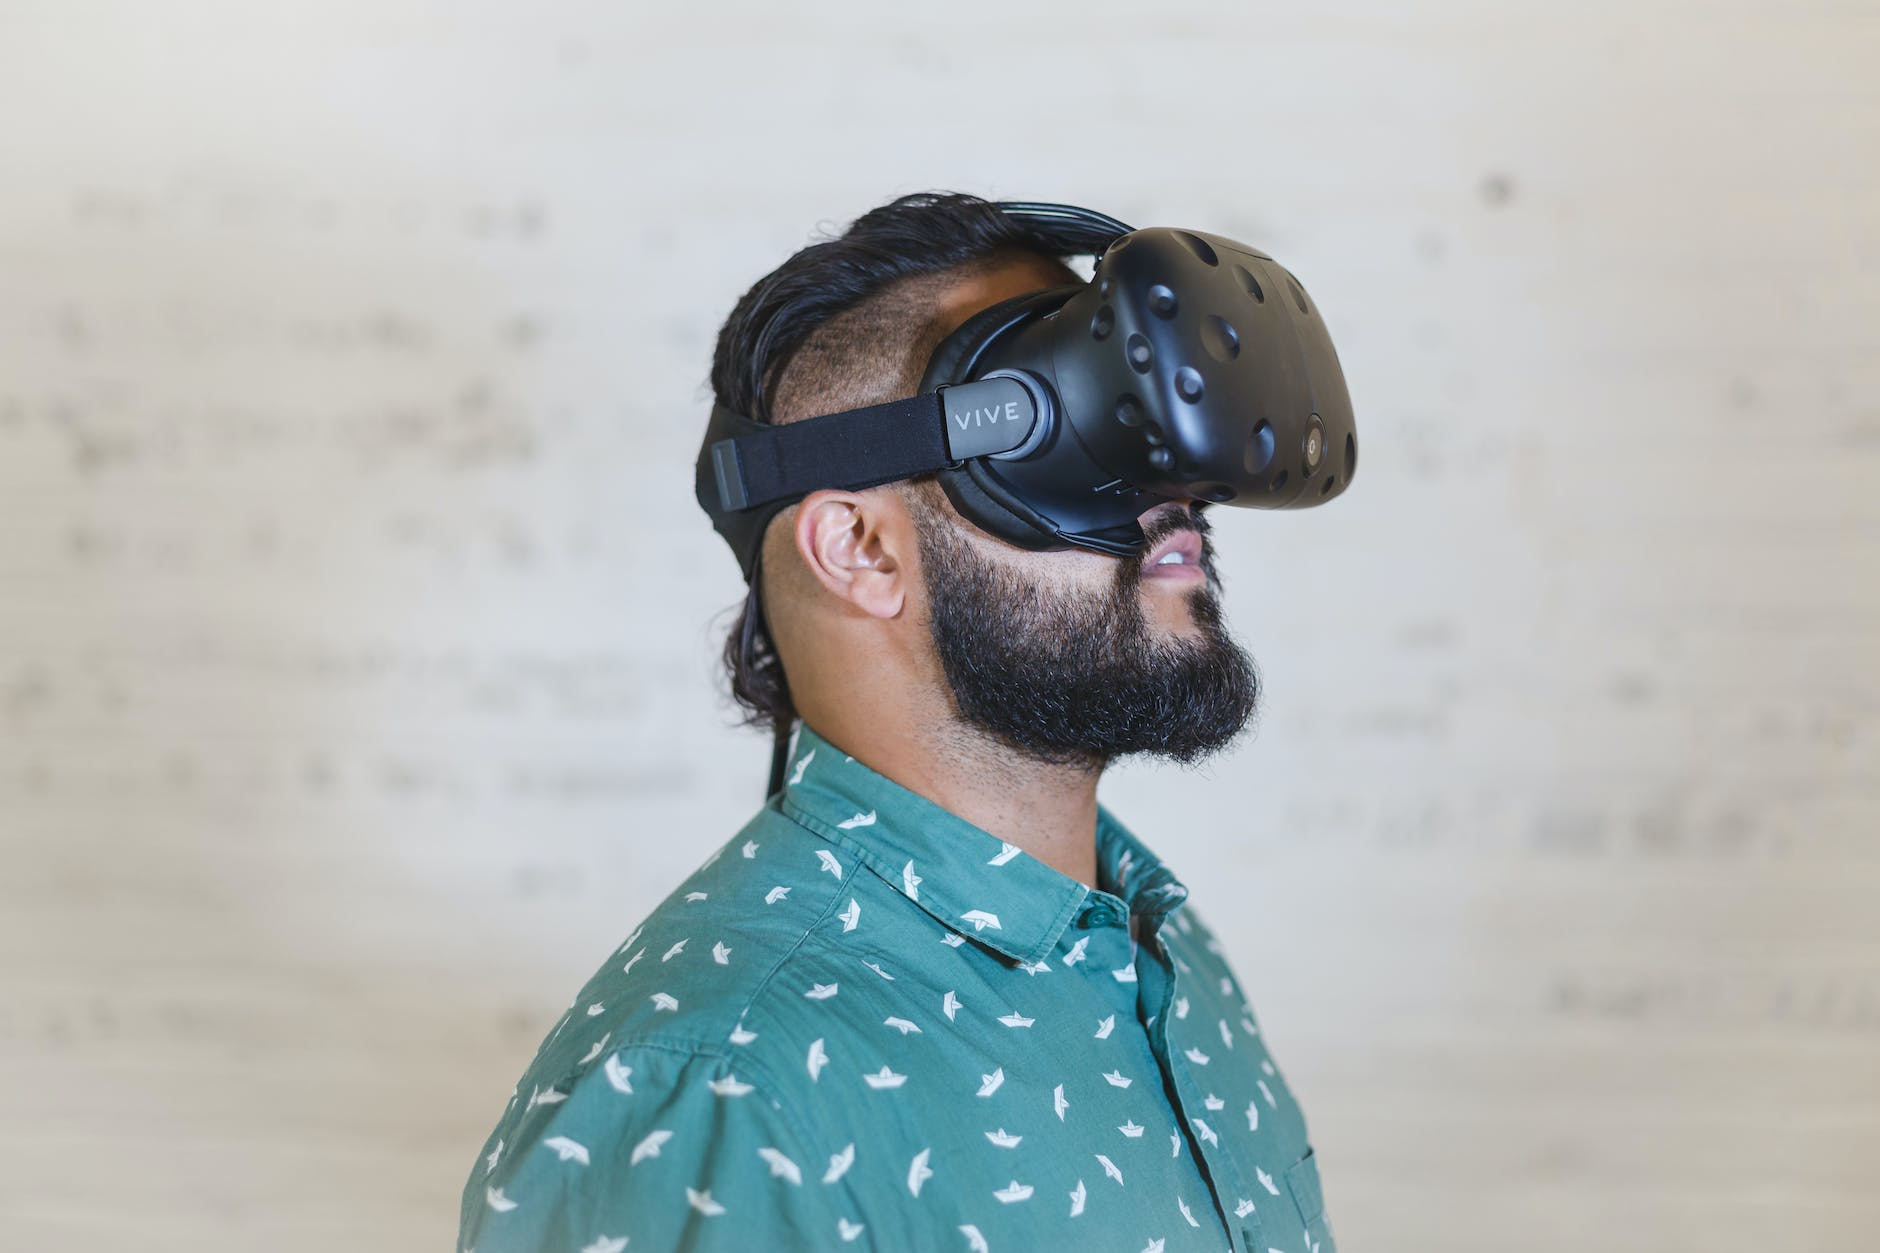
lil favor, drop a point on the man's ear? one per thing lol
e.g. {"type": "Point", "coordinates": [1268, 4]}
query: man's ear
{"type": "Point", "coordinates": [858, 546]}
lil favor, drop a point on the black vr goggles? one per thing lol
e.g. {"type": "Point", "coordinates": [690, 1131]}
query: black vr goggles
{"type": "Point", "coordinates": [1190, 366]}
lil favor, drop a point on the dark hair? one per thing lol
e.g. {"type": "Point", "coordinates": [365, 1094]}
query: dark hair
{"type": "Point", "coordinates": [924, 233]}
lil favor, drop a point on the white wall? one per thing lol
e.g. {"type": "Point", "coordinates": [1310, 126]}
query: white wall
{"type": "Point", "coordinates": [357, 626]}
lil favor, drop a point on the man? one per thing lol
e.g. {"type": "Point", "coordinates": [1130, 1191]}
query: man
{"type": "Point", "coordinates": [933, 995]}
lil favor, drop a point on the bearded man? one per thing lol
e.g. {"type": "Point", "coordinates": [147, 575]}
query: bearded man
{"type": "Point", "coordinates": [933, 995]}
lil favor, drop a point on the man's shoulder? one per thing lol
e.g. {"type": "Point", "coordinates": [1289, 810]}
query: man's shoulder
{"type": "Point", "coordinates": [686, 973]}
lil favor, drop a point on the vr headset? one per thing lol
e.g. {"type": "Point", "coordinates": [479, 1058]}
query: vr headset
{"type": "Point", "coordinates": [1189, 367]}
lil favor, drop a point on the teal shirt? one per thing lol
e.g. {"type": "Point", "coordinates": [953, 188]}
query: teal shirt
{"type": "Point", "coordinates": [865, 1023]}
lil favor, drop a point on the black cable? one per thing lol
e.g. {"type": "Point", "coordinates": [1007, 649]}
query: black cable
{"type": "Point", "coordinates": [779, 755]}
{"type": "Point", "coordinates": [1047, 211]}
{"type": "Point", "coordinates": [747, 636]}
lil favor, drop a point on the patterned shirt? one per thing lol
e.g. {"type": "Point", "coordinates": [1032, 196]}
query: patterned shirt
{"type": "Point", "coordinates": [865, 1023]}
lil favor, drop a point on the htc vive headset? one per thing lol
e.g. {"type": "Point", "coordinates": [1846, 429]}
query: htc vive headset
{"type": "Point", "coordinates": [1190, 366]}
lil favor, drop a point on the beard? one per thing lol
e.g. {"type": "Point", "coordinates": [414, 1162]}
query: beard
{"type": "Point", "coordinates": [1070, 677]}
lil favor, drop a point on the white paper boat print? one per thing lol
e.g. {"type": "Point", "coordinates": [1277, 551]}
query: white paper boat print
{"type": "Point", "coordinates": [918, 1171]}
{"type": "Point", "coordinates": [567, 1150]}
{"type": "Point", "coordinates": [648, 1147]}
{"type": "Point", "coordinates": [781, 1167]}
{"type": "Point", "coordinates": [617, 1072]}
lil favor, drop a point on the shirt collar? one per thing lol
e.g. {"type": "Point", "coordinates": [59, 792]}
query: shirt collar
{"type": "Point", "coordinates": [967, 878]}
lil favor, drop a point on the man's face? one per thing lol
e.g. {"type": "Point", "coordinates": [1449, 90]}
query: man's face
{"type": "Point", "coordinates": [1072, 655]}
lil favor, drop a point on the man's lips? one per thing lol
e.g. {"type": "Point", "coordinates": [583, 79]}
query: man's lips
{"type": "Point", "coordinates": [1185, 544]}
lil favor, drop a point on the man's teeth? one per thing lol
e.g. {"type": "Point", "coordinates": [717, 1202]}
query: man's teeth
{"type": "Point", "coordinates": [1170, 559]}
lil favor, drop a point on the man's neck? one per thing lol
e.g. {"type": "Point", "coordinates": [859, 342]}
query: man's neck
{"type": "Point", "coordinates": [1049, 811]}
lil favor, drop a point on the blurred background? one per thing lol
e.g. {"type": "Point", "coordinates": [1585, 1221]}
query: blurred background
{"type": "Point", "coordinates": [358, 630]}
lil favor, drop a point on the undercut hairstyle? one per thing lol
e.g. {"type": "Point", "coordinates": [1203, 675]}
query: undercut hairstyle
{"type": "Point", "coordinates": [847, 321]}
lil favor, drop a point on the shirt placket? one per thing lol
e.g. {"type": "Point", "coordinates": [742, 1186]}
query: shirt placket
{"type": "Point", "coordinates": [1157, 980]}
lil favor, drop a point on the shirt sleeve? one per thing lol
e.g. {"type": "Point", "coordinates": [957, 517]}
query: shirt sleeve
{"type": "Point", "coordinates": [655, 1149]}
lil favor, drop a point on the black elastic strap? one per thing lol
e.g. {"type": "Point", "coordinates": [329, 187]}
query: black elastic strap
{"type": "Point", "coordinates": [860, 448]}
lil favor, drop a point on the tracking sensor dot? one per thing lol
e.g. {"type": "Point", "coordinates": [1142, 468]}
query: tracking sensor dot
{"type": "Point", "coordinates": [1250, 283]}
{"type": "Point", "coordinates": [1220, 338]}
{"type": "Point", "coordinates": [1141, 356]}
{"type": "Point", "coordinates": [1199, 246]}
{"type": "Point", "coordinates": [1260, 448]}
{"type": "Point", "coordinates": [1299, 296]}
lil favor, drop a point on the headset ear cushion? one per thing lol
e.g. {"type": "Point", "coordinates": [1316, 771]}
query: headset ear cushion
{"type": "Point", "coordinates": [993, 515]}
{"type": "Point", "coordinates": [953, 358]}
